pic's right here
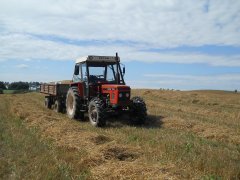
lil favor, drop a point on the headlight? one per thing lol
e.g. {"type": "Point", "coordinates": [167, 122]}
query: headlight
{"type": "Point", "coordinates": [120, 95]}
{"type": "Point", "coordinates": [127, 95]}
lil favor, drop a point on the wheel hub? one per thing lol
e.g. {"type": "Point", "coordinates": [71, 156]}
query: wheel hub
{"type": "Point", "coordinates": [94, 115]}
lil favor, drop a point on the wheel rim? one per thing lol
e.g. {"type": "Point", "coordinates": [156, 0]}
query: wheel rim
{"type": "Point", "coordinates": [55, 106]}
{"type": "Point", "coordinates": [93, 114]}
{"type": "Point", "coordinates": [47, 103]}
{"type": "Point", "coordinates": [70, 104]}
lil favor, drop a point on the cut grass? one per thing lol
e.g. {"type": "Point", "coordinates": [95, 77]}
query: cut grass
{"type": "Point", "coordinates": [185, 137]}
{"type": "Point", "coordinates": [185, 150]}
{"type": "Point", "coordinates": [24, 155]}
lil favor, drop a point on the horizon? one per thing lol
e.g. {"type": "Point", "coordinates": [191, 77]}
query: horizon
{"type": "Point", "coordinates": [166, 44]}
{"type": "Point", "coordinates": [160, 89]}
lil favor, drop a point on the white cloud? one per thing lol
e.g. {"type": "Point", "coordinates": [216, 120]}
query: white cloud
{"type": "Point", "coordinates": [166, 23]}
{"type": "Point", "coordinates": [220, 77]}
{"type": "Point", "coordinates": [186, 58]}
{"type": "Point", "coordinates": [190, 82]}
{"type": "Point", "coordinates": [26, 47]}
{"type": "Point", "coordinates": [159, 24]}
{"type": "Point", "coordinates": [22, 66]}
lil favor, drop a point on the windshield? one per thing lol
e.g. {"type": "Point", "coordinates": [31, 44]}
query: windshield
{"type": "Point", "coordinates": [106, 73]}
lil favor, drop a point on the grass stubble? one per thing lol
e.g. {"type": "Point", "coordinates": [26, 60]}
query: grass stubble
{"type": "Point", "coordinates": [188, 135]}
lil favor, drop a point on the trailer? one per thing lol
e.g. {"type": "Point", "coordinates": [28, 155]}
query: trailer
{"type": "Point", "coordinates": [55, 95]}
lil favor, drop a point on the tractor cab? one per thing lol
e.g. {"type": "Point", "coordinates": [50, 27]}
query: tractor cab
{"type": "Point", "coordinates": [98, 74]}
{"type": "Point", "coordinates": [99, 69]}
{"type": "Point", "coordinates": [98, 87]}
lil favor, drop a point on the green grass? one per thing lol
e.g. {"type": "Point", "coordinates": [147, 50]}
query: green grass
{"type": "Point", "coordinates": [14, 91]}
{"type": "Point", "coordinates": [25, 155]}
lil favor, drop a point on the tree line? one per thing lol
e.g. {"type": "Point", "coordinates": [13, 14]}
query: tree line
{"type": "Point", "coordinates": [18, 85]}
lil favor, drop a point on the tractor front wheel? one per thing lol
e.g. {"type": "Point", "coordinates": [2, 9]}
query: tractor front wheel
{"type": "Point", "coordinates": [96, 112]}
{"type": "Point", "coordinates": [73, 104]}
{"type": "Point", "coordinates": [138, 111]}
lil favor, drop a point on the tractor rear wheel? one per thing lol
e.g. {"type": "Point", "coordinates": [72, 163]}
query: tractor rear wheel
{"type": "Point", "coordinates": [58, 106]}
{"type": "Point", "coordinates": [47, 103]}
{"type": "Point", "coordinates": [138, 111]}
{"type": "Point", "coordinates": [73, 104]}
{"type": "Point", "coordinates": [96, 112]}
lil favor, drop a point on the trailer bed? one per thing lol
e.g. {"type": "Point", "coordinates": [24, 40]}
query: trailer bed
{"type": "Point", "coordinates": [54, 89]}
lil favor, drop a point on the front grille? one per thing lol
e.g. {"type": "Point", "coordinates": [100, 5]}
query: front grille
{"type": "Point", "coordinates": [124, 97]}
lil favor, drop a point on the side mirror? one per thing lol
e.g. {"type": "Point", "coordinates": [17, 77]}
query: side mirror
{"type": "Point", "coordinates": [76, 70]}
{"type": "Point", "coordinates": [123, 70]}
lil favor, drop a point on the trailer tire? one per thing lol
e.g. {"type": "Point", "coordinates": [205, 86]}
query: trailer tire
{"type": "Point", "coordinates": [96, 112]}
{"type": "Point", "coordinates": [73, 104]}
{"type": "Point", "coordinates": [47, 103]}
{"type": "Point", "coordinates": [138, 111]}
{"type": "Point", "coordinates": [58, 106]}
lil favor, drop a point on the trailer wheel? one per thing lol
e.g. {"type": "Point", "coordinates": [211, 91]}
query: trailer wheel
{"type": "Point", "coordinates": [73, 104]}
{"type": "Point", "coordinates": [47, 103]}
{"type": "Point", "coordinates": [58, 106]}
{"type": "Point", "coordinates": [96, 112]}
{"type": "Point", "coordinates": [138, 111]}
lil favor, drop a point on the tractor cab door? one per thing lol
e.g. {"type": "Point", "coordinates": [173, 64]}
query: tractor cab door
{"type": "Point", "coordinates": [84, 78]}
{"type": "Point", "coordinates": [93, 80]}
{"type": "Point", "coordinates": [77, 73]}
{"type": "Point", "coordinates": [80, 78]}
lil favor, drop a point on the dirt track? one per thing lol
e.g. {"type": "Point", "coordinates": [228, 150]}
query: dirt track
{"type": "Point", "coordinates": [122, 151]}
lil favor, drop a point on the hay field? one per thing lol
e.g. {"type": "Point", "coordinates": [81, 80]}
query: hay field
{"type": "Point", "coordinates": [188, 135]}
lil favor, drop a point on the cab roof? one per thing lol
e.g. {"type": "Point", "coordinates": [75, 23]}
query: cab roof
{"type": "Point", "coordinates": [109, 59]}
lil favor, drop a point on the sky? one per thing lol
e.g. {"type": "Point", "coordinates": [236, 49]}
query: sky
{"type": "Point", "coordinates": [171, 44]}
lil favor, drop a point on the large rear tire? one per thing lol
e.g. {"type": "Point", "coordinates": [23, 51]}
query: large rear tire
{"type": "Point", "coordinates": [73, 104]}
{"type": "Point", "coordinates": [138, 111]}
{"type": "Point", "coordinates": [96, 112]}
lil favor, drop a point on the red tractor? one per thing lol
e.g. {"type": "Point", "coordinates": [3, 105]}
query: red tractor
{"type": "Point", "coordinates": [98, 87]}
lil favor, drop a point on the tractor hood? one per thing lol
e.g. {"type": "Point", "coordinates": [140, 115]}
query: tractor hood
{"type": "Point", "coordinates": [113, 87]}
{"type": "Point", "coordinates": [119, 94]}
